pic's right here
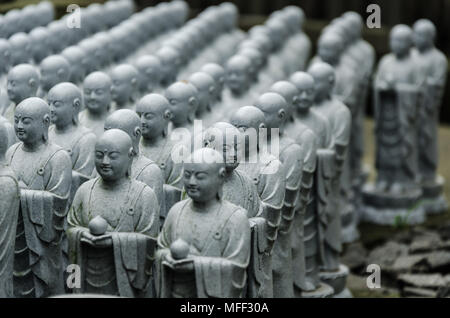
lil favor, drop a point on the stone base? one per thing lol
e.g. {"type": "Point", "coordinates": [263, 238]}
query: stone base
{"type": "Point", "coordinates": [324, 291]}
{"type": "Point", "coordinates": [337, 280]}
{"type": "Point", "coordinates": [433, 200]}
{"type": "Point", "coordinates": [386, 208]}
{"type": "Point", "coordinates": [346, 293]}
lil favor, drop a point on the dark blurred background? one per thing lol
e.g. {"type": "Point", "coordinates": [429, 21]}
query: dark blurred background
{"type": "Point", "coordinates": [318, 14]}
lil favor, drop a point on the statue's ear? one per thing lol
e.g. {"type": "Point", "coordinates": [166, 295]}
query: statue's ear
{"type": "Point", "coordinates": [76, 103]}
{"type": "Point", "coordinates": [137, 132]}
{"type": "Point", "coordinates": [167, 114]}
{"type": "Point", "coordinates": [61, 72]}
{"type": "Point", "coordinates": [32, 82]}
{"type": "Point", "coordinates": [46, 119]}
{"type": "Point", "coordinates": [222, 172]}
{"type": "Point", "coordinates": [134, 81]}
{"type": "Point", "coordinates": [295, 99]}
{"type": "Point", "coordinates": [193, 102]}
{"type": "Point", "coordinates": [212, 89]}
{"type": "Point", "coordinates": [281, 113]}
{"type": "Point", "coordinates": [262, 126]}
{"type": "Point", "coordinates": [131, 153]}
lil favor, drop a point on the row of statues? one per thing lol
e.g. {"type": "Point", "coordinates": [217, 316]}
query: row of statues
{"type": "Point", "coordinates": [188, 159]}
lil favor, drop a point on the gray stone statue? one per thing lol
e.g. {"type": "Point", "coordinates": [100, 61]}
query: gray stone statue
{"type": "Point", "coordinates": [5, 57]}
{"type": "Point", "coordinates": [113, 224]}
{"type": "Point", "coordinates": [97, 98]}
{"type": "Point", "coordinates": [206, 92]}
{"type": "Point", "coordinates": [125, 86]}
{"type": "Point", "coordinates": [54, 69]}
{"type": "Point", "coordinates": [9, 210]}
{"type": "Point", "coordinates": [41, 45]}
{"type": "Point", "coordinates": [218, 73]}
{"type": "Point", "coordinates": [142, 168]}
{"type": "Point", "coordinates": [76, 57]}
{"type": "Point", "coordinates": [65, 101]}
{"type": "Point", "coordinates": [149, 68]}
{"type": "Point", "coordinates": [396, 92]}
{"type": "Point", "coordinates": [23, 82]}
{"type": "Point", "coordinates": [155, 114]}
{"type": "Point", "coordinates": [204, 246]}
{"type": "Point", "coordinates": [20, 48]}
{"type": "Point", "coordinates": [182, 97]}
{"type": "Point", "coordinates": [170, 62]}
{"type": "Point", "coordinates": [267, 172]}
{"type": "Point", "coordinates": [274, 107]}
{"type": "Point", "coordinates": [433, 65]}
{"type": "Point", "coordinates": [43, 170]}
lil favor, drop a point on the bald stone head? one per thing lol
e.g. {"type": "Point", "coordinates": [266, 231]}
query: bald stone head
{"type": "Point", "coordinates": [76, 56]}
{"type": "Point", "coordinates": [54, 69]}
{"type": "Point", "coordinates": [40, 47]}
{"type": "Point", "coordinates": [65, 101]}
{"type": "Point", "coordinates": [114, 155]}
{"type": "Point", "coordinates": [356, 22]}
{"type": "Point", "coordinates": [128, 121]}
{"type": "Point", "coordinates": [218, 73]}
{"type": "Point", "coordinates": [5, 56]}
{"type": "Point", "coordinates": [125, 84]}
{"type": "Point", "coordinates": [21, 48]}
{"type": "Point", "coordinates": [401, 40]}
{"type": "Point", "coordinates": [183, 100]}
{"type": "Point", "coordinates": [238, 73]}
{"type": "Point", "coordinates": [206, 90]}
{"type": "Point", "coordinates": [22, 82]}
{"type": "Point", "coordinates": [149, 68]}
{"type": "Point", "coordinates": [155, 114]}
{"type": "Point", "coordinates": [324, 79]}
{"type": "Point", "coordinates": [227, 140]}
{"type": "Point", "coordinates": [97, 92]}
{"type": "Point", "coordinates": [251, 122]}
{"type": "Point", "coordinates": [31, 121]}
{"type": "Point", "coordinates": [330, 47]}
{"type": "Point", "coordinates": [170, 60]}
{"type": "Point", "coordinates": [424, 34]}
{"type": "Point", "coordinates": [274, 107]}
{"type": "Point", "coordinates": [304, 83]}
{"type": "Point", "coordinates": [204, 175]}
{"type": "Point", "coordinates": [256, 58]}
{"type": "Point", "coordinates": [290, 94]}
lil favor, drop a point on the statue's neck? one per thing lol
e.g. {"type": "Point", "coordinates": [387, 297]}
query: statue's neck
{"type": "Point", "coordinates": [115, 184]}
{"type": "Point", "coordinates": [97, 115]}
{"type": "Point", "coordinates": [206, 206]}
{"type": "Point", "coordinates": [303, 113]}
{"type": "Point", "coordinates": [403, 56]}
{"type": "Point", "coordinates": [154, 141]}
{"type": "Point", "coordinates": [322, 99]}
{"type": "Point", "coordinates": [34, 146]}
{"type": "Point", "coordinates": [64, 128]}
{"type": "Point", "coordinates": [426, 49]}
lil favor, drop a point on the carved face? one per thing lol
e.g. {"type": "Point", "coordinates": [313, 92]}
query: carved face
{"type": "Point", "coordinates": [400, 44]}
{"type": "Point", "coordinates": [237, 78]}
{"type": "Point", "coordinates": [152, 122]}
{"type": "Point", "coordinates": [49, 76]}
{"type": "Point", "coordinates": [112, 159]}
{"type": "Point", "coordinates": [305, 97]}
{"type": "Point", "coordinates": [61, 108]}
{"type": "Point", "coordinates": [422, 39]}
{"type": "Point", "coordinates": [329, 53]}
{"type": "Point", "coordinates": [29, 126]}
{"type": "Point", "coordinates": [97, 96]}
{"type": "Point", "coordinates": [149, 78]}
{"type": "Point", "coordinates": [202, 181]}
{"type": "Point", "coordinates": [18, 88]}
{"type": "Point", "coordinates": [121, 89]}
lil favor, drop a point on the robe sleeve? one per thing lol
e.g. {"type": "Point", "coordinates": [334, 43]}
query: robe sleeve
{"type": "Point", "coordinates": [225, 276]}
{"type": "Point", "coordinates": [153, 177]}
{"type": "Point", "coordinates": [84, 164]}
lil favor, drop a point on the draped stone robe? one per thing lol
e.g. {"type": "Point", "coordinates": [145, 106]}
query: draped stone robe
{"type": "Point", "coordinates": [132, 213]}
{"type": "Point", "coordinates": [220, 244]}
{"type": "Point", "coordinates": [45, 178]}
{"type": "Point", "coordinates": [9, 210]}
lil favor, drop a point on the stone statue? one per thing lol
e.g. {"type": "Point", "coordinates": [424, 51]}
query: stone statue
{"type": "Point", "coordinates": [149, 68]}
{"type": "Point", "coordinates": [339, 116]}
{"type": "Point", "coordinates": [65, 101]}
{"type": "Point", "coordinates": [182, 97]}
{"type": "Point", "coordinates": [206, 92]}
{"type": "Point", "coordinates": [44, 174]}
{"type": "Point", "coordinates": [40, 44]}
{"type": "Point", "coordinates": [5, 57]}
{"type": "Point", "coordinates": [205, 241]}
{"type": "Point", "coordinates": [170, 61]}
{"type": "Point", "coordinates": [10, 132]}
{"type": "Point", "coordinates": [97, 97]}
{"type": "Point", "coordinates": [113, 224]}
{"type": "Point", "coordinates": [142, 168]}
{"type": "Point", "coordinates": [319, 124]}
{"type": "Point", "coordinates": [20, 48]}
{"type": "Point", "coordinates": [239, 189]}
{"type": "Point", "coordinates": [267, 172]}
{"type": "Point", "coordinates": [76, 57]}
{"type": "Point", "coordinates": [23, 82]}
{"type": "Point", "coordinates": [218, 73]}
{"type": "Point", "coordinates": [433, 66]}
{"type": "Point", "coordinates": [125, 86]}
{"type": "Point", "coordinates": [9, 210]}
{"type": "Point", "coordinates": [155, 114]}
{"type": "Point", "coordinates": [54, 69]}
{"type": "Point", "coordinates": [274, 107]}
{"type": "Point", "coordinates": [396, 91]}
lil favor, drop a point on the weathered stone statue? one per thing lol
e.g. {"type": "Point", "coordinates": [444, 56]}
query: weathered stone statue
{"type": "Point", "coordinates": [5, 57]}
{"type": "Point", "coordinates": [23, 82]}
{"type": "Point", "coordinates": [292, 156]}
{"type": "Point", "coordinates": [97, 97]}
{"type": "Point", "coordinates": [433, 65]}
{"type": "Point", "coordinates": [125, 86]}
{"type": "Point", "coordinates": [149, 68]}
{"type": "Point", "coordinates": [205, 241]}
{"type": "Point", "coordinates": [142, 169]}
{"type": "Point", "coordinates": [76, 57]}
{"type": "Point", "coordinates": [206, 88]}
{"type": "Point", "coordinates": [155, 114]}
{"type": "Point", "coordinates": [239, 189]}
{"type": "Point", "coordinates": [335, 204]}
{"type": "Point", "coordinates": [182, 97]}
{"type": "Point", "coordinates": [65, 101]}
{"type": "Point", "coordinates": [396, 90]}
{"type": "Point", "coordinates": [40, 44]}
{"type": "Point", "coordinates": [113, 224]}
{"type": "Point", "coordinates": [10, 132]}
{"type": "Point", "coordinates": [267, 172]}
{"type": "Point", "coordinates": [218, 73]}
{"type": "Point", "coordinates": [170, 62]}
{"type": "Point", "coordinates": [54, 69]}
{"type": "Point", "coordinates": [44, 174]}
{"type": "Point", "coordinates": [20, 48]}
{"type": "Point", "coordinates": [9, 210]}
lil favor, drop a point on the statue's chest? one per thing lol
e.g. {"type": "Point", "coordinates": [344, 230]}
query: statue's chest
{"type": "Point", "coordinates": [234, 191]}
{"type": "Point", "coordinates": [26, 166]}
{"type": "Point", "coordinates": [108, 205]}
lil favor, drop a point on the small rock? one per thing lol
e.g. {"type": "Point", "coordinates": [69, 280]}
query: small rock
{"type": "Point", "coordinates": [386, 255]}
{"type": "Point", "coordinates": [425, 242]}
{"type": "Point", "coordinates": [406, 263]}
{"type": "Point", "coordinates": [423, 280]}
{"type": "Point", "coordinates": [419, 292]}
{"type": "Point", "coordinates": [438, 259]}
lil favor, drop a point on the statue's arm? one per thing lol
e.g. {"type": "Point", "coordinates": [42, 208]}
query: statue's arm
{"type": "Point", "coordinates": [85, 164]}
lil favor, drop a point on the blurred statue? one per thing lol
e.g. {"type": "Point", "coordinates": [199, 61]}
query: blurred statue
{"type": "Point", "coordinates": [54, 69]}
{"type": "Point", "coordinates": [149, 68]}
{"type": "Point", "coordinates": [182, 97]}
{"type": "Point", "coordinates": [205, 241]}
{"type": "Point", "coordinates": [125, 86]}
{"type": "Point", "coordinates": [113, 224]}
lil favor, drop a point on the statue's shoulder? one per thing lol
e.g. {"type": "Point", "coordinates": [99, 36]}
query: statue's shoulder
{"type": "Point", "coordinates": [8, 180]}
{"type": "Point", "coordinates": [55, 153]}
{"type": "Point", "coordinates": [87, 187]}
{"type": "Point", "coordinates": [233, 212]}
{"type": "Point", "coordinates": [342, 109]}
